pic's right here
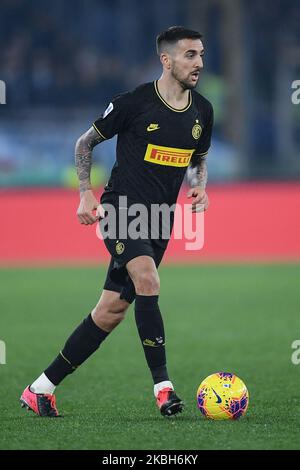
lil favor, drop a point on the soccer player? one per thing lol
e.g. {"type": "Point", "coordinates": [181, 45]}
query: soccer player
{"type": "Point", "coordinates": [163, 127]}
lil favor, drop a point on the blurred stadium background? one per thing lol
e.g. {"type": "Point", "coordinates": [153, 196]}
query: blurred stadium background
{"type": "Point", "coordinates": [62, 62]}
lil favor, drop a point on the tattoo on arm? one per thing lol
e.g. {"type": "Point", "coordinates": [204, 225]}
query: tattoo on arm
{"type": "Point", "coordinates": [202, 172]}
{"type": "Point", "coordinates": [83, 157]}
{"type": "Point", "coordinates": [198, 174]}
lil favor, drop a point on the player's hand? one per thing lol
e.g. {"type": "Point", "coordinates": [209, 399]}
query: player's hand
{"type": "Point", "coordinates": [88, 204]}
{"type": "Point", "coordinates": [201, 202]}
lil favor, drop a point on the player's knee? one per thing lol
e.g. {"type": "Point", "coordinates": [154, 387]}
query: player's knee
{"type": "Point", "coordinates": [114, 319]}
{"type": "Point", "coordinates": [107, 315]}
{"type": "Point", "coordinates": [147, 283]}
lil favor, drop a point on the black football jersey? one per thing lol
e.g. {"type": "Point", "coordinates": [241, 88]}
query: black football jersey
{"type": "Point", "coordinates": [155, 144]}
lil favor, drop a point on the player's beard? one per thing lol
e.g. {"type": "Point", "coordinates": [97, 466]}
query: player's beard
{"type": "Point", "coordinates": [184, 82]}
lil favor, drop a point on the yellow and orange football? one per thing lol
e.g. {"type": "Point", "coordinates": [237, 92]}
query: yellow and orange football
{"type": "Point", "coordinates": [222, 396]}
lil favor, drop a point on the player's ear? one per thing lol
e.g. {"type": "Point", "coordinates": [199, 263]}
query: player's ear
{"type": "Point", "coordinates": [165, 60]}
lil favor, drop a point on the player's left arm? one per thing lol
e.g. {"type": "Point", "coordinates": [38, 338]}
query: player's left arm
{"type": "Point", "coordinates": [197, 178]}
{"type": "Point", "coordinates": [197, 171]}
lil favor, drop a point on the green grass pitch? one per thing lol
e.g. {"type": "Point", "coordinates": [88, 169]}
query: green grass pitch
{"type": "Point", "coordinates": [236, 318]}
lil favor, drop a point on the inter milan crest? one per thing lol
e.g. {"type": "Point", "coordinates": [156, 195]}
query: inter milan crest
{"type": "Point", "coordinates": [196, 131]}
{"type": "Point", "coordinates": [120, 247]}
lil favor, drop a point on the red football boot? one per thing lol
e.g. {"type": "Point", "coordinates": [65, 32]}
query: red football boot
{"type": "Point", "coordinates": [41, 404]}
{"type": "Point", "coordinates": [168, 402]}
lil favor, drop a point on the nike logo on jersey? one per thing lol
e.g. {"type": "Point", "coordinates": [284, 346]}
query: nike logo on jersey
{"type": "Point", "coordinates": [153, 127]}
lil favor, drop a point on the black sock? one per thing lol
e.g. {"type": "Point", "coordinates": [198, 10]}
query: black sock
{"type": "Point", "coordinates": [151, 330]}
{"type": "Point", "coordinates": [85, 340]}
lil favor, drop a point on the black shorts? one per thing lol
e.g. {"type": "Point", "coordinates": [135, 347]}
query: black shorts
{"type": "Point", "coordinates": [123, 250]}
{"type": "Point", "coordinates": [117, 278]}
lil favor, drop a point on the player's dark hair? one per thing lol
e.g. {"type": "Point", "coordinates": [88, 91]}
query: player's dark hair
{"type": "Point", "coordinates": [174, 34]}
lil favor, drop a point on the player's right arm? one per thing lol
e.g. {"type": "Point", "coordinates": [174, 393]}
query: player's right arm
{"type": "Point", "coordinates": [83, 161]}
{"type": "Point", "coordinates": [114, 120]}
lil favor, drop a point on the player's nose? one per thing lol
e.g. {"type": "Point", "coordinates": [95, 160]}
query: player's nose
{"type": "Point", "coordinates": [200, 63]}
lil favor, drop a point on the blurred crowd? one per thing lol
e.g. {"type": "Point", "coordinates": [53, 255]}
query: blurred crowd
{"type": "Point", "coordinates": [68, 53]}
{"type": "Point", "coordinates": [59, 57]}
{"type": "Point", "coordinates": [73, 53]}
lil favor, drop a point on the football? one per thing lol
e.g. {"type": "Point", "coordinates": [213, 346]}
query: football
{"type": "Point", "coordinates": [222, 396]}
